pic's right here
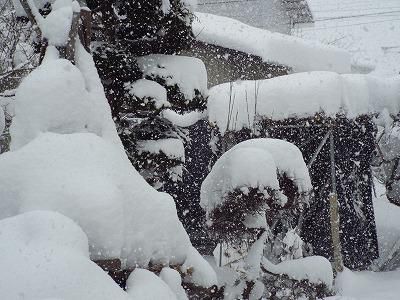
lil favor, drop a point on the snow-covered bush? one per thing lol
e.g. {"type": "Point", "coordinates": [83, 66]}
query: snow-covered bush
{"type": "Point", "coordinates": [255, 194]}
{"type": "Point", "coordinates": [174, 83]}
{"type": "Point", "coordinates": [267, 176]}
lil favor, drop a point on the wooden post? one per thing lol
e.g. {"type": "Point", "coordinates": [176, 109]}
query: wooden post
{"type": "Point", "coordinates": [73, 33]}
{"type": "Point", "coordinates": [334, 213]}
{"type": "Point", "coordinates": [85, 30]}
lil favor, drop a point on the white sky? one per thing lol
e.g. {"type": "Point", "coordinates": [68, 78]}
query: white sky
{"type": "Point", "coordinates": [369, 29]}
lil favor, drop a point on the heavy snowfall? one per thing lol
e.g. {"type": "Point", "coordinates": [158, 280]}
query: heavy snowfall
{"type": "Point", "coordinates": [209, 149]}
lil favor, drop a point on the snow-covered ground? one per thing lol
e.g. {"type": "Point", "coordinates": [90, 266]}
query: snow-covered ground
{"type": "Point", "coordinates": [368, 285]}
{"type": "Point", "coordinates": [368, 29]}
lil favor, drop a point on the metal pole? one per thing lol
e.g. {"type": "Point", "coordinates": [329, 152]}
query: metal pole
{"type": "Point", "coordinates": [334, 213]}
{"type": "Point", "coordinates": [220, 254]}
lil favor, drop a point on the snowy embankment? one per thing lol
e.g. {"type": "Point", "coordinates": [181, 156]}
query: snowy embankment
{"type": "Point", "coordinates": [270, 46]}
{"type": "Point", "coordinates": [233, 106]}
{"type": "Point", "coordinates": [66, 157]}
{"type": "Point", "coordinates": [387, 219]}
{"type": "Point", "coordinates": [367, 285]}
{"type": "Point", "coordinates": [45, 255]}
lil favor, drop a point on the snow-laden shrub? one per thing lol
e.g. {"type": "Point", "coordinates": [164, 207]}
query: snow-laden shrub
{"type": "Point", "coordinates": [185, 79]}
{"type": "Point", "coordinates": [253, 198]}
{"type": "Point", "coordinates": [154, 144]}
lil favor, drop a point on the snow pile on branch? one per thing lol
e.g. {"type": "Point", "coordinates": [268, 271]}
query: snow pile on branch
{"type": "Point", "coordinates": [316, 269]}
{"type": "Point", "coordinates": [45, 255]}
{"type": "Point", "coordinates": [183, 120]}
{"type": "Point", "coordinates": [299, 54]}
{"type": "Point", "coordinates": [151, 90]}
{"type": "Point", "coordinates": [173, 148]}
{"type": "Point", "coordinates": [188, 73]}
{"type": "Point", "coordinates": [67, 157]}
{"type": "Point", "coordinates": [233, 106]}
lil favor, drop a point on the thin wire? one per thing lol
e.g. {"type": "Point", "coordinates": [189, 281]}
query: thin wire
{"type": "Point", "coordinates": [348, 25]}
{"type": "Point", "coordinates": [353, 9]}
{"type": "Point", "coordinates": [357, 16]}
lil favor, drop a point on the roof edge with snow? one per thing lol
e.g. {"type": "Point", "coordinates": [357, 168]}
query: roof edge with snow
{"type": "Point", "coordinates": [299, 54]}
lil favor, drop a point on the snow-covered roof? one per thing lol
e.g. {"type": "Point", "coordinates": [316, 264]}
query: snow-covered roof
{"type": "Point", "coordinates": [299, 54]}
{"type": "Point", "coordinates": [235, 106]}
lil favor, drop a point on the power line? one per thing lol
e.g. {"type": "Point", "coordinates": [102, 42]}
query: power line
{"type": "Point", "coordinates": [348, 25]}
{"type": "Point", "coordinates": [226, 1]}
{"type": "Point", "coordinates": [360, 15]}
{"type": "Point", "coordinates": [353, 9]}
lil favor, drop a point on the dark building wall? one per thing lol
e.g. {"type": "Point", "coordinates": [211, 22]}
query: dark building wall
{"type": "Point", "coordinates": [198, 155]}
{"type": "Point", "coordinates": [226, 65]}
{"type": "Point", "coordinates": [354, 145]}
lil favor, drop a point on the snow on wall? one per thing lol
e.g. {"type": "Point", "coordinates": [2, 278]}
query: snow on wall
{"type": "Point", "coordinates": [301, 95]}
{"type": "Point", "coordinates": [187, 72]}
{"type": "Point", "coordinates": [299, 54]}
{"type": "Point", "coordinates": [44, 255]}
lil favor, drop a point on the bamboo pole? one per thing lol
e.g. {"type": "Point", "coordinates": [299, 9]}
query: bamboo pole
{"type": "Point", "coordinates": [334, 213]}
